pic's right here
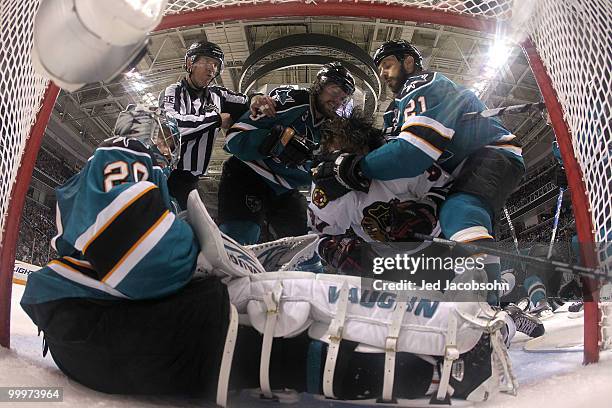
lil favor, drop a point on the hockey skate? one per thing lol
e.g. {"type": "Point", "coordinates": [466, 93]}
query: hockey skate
{"type": "Point", "coordinates": [472, 374]}
{"type": "Point", "coordinates": [542, 310]}
{"type": "Point", "coordinates": [524, 321]}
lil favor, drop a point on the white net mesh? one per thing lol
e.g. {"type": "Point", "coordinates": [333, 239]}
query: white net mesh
{"type": "Point", "coordinates": [573, 38]}
{"type": "Point", "coordinates": [21, 92]}
{"type": "Point", "coordinates": [498, 9]}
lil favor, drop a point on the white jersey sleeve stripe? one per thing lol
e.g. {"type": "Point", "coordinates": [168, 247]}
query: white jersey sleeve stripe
{"type": "Point", "coordinates": [140, 249]}
{"type": "Point", "coordinates": [430, 123]}
{"type": "Point", "coordinates": [111, 211]}
{"type": "Point", "coordinates": [76, 276]}
{"type": "Point", "coordinates": [421, 144]}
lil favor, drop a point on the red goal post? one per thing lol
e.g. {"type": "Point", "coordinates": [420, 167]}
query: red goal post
{"type": "Point", "coordinates": [568, 48]}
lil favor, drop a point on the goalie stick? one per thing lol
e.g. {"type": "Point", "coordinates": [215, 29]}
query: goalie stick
{"type": "Point", "coordinates": [592, 273]}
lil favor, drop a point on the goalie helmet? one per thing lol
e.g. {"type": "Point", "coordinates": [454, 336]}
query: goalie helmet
{"type": "Point", "coordinates": [158, 133]}
{"type": "Point", "coordinates": [399, 48]}
{"type": "Point", "coordinates": [337, 74]}
{"type": "Point", "coordinates": [206, 49]}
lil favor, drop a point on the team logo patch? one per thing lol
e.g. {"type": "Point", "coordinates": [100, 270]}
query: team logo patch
{"type": "Point", "coordinates": [319, 198]}
{"type": "Point", "coordinates": [417, 81]}
{"type": "Point", "coordinates": [282, 95]}
{"type": "Point", "coordinates": [253, 203]}
{"type": "Point", "coordinates": [376, 220]}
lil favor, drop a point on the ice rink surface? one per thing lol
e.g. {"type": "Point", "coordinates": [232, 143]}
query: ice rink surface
{"type": "Point", "coordinates": [554, 380]}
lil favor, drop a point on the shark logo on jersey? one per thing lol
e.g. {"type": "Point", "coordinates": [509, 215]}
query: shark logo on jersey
{"type": "Point", "coordinates": [417, 81]}
{"type": "Point", "coordinates": [282, 95]}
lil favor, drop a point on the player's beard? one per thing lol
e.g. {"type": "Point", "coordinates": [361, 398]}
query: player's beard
{"type": "Point", "coordinates": [398, 82]}
{"type": "Point", "coordinates": [324, 109]}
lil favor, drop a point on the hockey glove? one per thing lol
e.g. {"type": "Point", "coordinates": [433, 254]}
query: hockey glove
{"type": "Point", "coordinates": [342, 253]}
{"type": "Point", "coordinates": [338, 173]}
{"type": "Point", "coordinates": [285, 145]}
{"type": "Point", "coordinates": [409, 217]}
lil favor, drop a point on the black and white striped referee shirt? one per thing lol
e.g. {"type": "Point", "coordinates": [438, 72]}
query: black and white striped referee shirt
{"type": "Point", "coordinates": [198, 115]}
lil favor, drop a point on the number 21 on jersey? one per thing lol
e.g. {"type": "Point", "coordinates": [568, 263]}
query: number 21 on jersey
{"type": "Point", "coordinates": [411, 108]}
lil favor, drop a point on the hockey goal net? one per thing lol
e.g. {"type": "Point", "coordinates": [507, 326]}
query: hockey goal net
{"type": "Point", "coordinates": [568, 45]}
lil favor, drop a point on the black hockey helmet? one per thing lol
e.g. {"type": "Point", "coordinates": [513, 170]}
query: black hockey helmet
{"type": "Point", "coordinates": [337, 74]}
{"type": "Point", "coordinates": [399, 48]}
{"type": "Point", "coordinates": [207, 49]}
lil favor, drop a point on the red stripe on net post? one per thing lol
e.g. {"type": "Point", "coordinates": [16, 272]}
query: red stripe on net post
{"type": "Point", "coordinates": [18, 194]}
{"type": "Point", "coordinates": [329, 8]}
{"type": "Point", "coordinates": [580, 203]}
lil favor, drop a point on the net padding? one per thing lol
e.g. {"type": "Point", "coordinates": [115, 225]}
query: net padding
{"type": "Point", "coordinates": [573, 39]}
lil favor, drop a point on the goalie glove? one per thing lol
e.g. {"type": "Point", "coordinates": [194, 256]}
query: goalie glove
{"type": "Point", "coordinates": [409, 217]}
{"type": "Point", "coordinates": [338, 173]}
{"type": "Point", "coordinates": [286, 146]}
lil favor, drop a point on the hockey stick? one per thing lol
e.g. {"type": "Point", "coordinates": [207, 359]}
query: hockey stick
{"type": "Point", "coordinates": [558, 266]}
{"type": "Point", "coordinates": [490, 113]}
{"type": "Point", "coordinates": [487, 113]}
{"type": "Point", "coordinates": [555, 222]}
{"type": "Point", "coordinates": [514, 238]}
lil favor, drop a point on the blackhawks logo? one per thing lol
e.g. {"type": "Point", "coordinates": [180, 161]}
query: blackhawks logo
{"type": "Point", "coordinates": [319, 198]}
{"type": "Point", "coordinates": [376, 221]}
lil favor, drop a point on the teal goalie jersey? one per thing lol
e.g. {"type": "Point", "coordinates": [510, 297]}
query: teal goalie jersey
{"type": "Point", "coordinates": [425, 125]}
{"type": "Point", "coordinates": [118, 235]}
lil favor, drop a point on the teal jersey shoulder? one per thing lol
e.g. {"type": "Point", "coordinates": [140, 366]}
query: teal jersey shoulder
{"type": "Point", "coordinates": [118, 235]}
{"type": "Point", "coordinates": [428, 126]}
{"type": "Point", "coordinates": [247, 134]}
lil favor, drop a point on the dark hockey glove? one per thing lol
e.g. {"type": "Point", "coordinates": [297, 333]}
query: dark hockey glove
{"type": "Point", "coordinates": [560, 177]}
{"type": "Point", "coordinates": [285, 145]}
{"type": "Point", "coordinates": [409, 217]}
{"type": "Point", "coordinates": [338, 173]}
{"type": "Point", "coordinates": [342, 253]}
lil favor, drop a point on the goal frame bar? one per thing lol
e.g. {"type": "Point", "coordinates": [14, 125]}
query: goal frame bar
{"type": "Point", "coordinates": [330, 8]}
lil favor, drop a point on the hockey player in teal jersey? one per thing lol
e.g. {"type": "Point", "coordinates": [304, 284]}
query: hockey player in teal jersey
{"type": "Point", "coordinates": [425, 127]}
{"type": "Point", "coordinates": [116, 305]}
{"type": "Point", "coordinates": [95, 210]}
{"type": "Point", "coordinates": [272, 158]}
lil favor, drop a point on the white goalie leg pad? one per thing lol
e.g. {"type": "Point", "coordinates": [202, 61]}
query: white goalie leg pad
{"type": "Point", "coordinates": [333, 307]}
{"type": "Point", "coordinates": [220, 254]}
{"type": "Point", "coordinates": [286, 253]}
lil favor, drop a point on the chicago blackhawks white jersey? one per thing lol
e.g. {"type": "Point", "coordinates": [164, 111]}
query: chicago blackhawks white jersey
{"type": "Point", "coordinates": [369, 214]}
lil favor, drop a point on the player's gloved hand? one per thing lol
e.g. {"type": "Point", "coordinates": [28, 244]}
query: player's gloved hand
{"type": "Point", "coordinates": [409, 217]}
{"type": "Point", "coordinates": [560, 177]}
{"type": "Point", "coordinates": [285, 145]}
{"type": "Point", "coordinates": [338, 173]}
{"type": "Point", "coordinates": [343, 253]}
